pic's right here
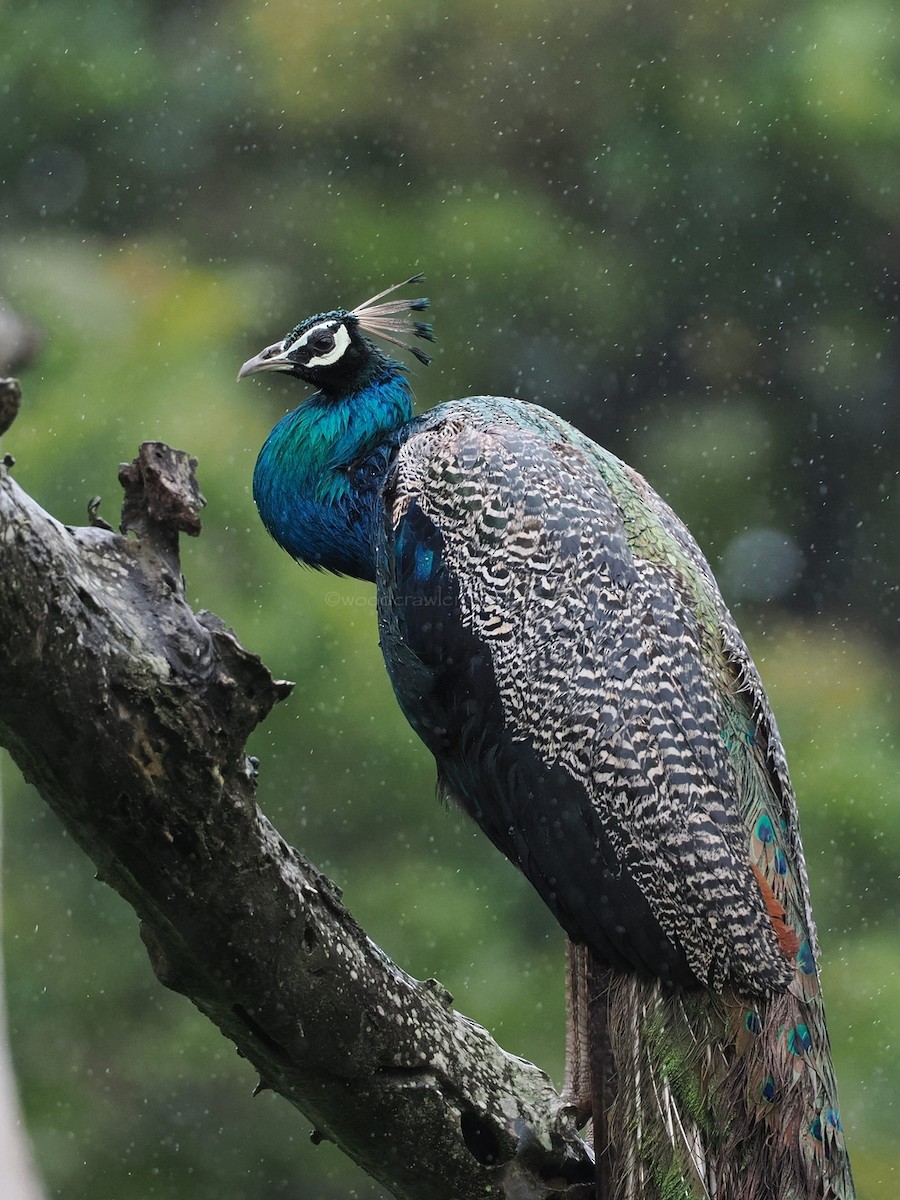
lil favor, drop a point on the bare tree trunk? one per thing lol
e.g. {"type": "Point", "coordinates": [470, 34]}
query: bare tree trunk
{"type": "Point", "coordinates": [129, 713]}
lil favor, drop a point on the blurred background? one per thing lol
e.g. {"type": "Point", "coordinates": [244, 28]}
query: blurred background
{"type": "Point", "coordinates": [676, 226]}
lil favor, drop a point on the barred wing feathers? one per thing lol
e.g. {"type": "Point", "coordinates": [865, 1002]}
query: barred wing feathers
{"type": "Point", "coordinates": [555, 636]}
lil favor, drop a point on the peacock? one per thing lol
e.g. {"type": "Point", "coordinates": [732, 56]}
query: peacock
{"type": "Point", "coordinates": [555, 637]}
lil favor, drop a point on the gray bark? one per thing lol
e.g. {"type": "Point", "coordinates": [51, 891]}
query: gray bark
{"type": "Point", "coordinates": [129, 712]}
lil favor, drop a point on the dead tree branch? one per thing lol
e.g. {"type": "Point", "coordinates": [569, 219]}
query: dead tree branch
{"type": "Point", "coordinates": [129, 713]}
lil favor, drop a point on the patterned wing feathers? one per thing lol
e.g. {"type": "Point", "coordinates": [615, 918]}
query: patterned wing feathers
{"type": "Point", "coordinates": [613, 738]}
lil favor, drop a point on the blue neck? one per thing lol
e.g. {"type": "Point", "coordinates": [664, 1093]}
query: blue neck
{"type": "Point", "coordinates": [314, 491]}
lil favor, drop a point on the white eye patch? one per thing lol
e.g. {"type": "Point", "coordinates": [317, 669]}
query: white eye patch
{"type": "Point", "coordinates": [309, 337]}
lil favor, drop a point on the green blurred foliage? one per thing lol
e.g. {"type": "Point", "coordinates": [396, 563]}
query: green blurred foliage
{"type": "Point", "coordinates": [678, 227]}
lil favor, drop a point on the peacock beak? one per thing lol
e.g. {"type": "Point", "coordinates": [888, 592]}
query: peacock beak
{"type": "Point", "coordinates": [273, 358]}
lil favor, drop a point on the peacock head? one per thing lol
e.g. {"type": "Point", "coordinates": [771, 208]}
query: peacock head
{"type": "Point", "coordinates": [331, 352]}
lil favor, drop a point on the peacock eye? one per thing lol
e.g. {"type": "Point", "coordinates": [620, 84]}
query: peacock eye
{"type": "Point", "coordinates": [323, 342]}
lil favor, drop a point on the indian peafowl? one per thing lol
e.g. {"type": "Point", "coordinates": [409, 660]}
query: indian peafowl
{"type": "Point", "coordinates": [556, 638]}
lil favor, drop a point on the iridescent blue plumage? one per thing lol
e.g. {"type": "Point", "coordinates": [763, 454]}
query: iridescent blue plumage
{"type": "Point", "coordinates": [317, 481]}
{"type": "Point", "coordinates": [556, 638]}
